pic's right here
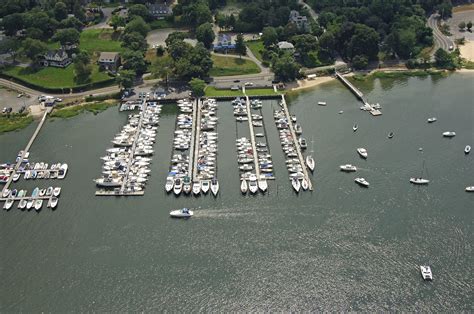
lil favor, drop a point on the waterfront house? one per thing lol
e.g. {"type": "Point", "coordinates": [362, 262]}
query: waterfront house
{"type": "Point", "coordinates": [224, 43]}
{"type": "Point", "coordinates": [286, 46]}
{"type": "Point", "coordinates": [159, 10]}
{"type": "Point", "coordinates": [109, 61]}
{"type": "Point", "coordinates": [300, 21]}
{"type": "Point", "coordinates": [56, 58]}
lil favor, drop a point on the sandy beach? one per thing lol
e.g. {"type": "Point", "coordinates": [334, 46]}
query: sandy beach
{"type": "Point", "coordinates": [467, 50]}
{"type": "Point", "coordinates": [303, 84]}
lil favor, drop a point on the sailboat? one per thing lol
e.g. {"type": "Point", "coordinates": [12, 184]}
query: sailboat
{"type": "Point", "coordinates": [420, 180]}
{"type": "Point", "coordinates": [309, 158]}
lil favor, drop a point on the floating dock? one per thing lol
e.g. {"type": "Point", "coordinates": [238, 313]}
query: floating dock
{"type": "Point", "coordinates": [195, 137]}
{"type": "Point", "coordinates": [252, 139]}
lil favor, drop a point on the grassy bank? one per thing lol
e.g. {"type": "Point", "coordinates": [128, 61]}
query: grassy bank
{"type": "Point", "coordinates": [213, 92]}
{"type": "Point", "coordinates": [71, 111]}
{"type": "Point", "coordinates": [260, 92]}
{"type": "Point", "coordinates": [14, 122]}
{"type": "Point", "coordinates": [50, 77]}
{"type": "Point", "coordinates": [227, 66]}
{"type": "Point", "coordinates": [256, 46]}
{"type": "Point", "coordinates": [396, 74]}
{"type": "Point", "coordinates": [96, 40]}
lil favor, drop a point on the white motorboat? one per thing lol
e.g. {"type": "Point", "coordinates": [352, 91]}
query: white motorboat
{"type": "Point", "coordinates": [262, 185]}
{"type": "Point", "coordinates": [302, 142]}
{"type": "Point", "coordinates": [355, 127]}
{"type": "Point", "coordinates": [178, 186]}
{"type": "Point", "coordinates": [169, 184]}
{"type": "Point", "coordinates": [187, 187]}
{"type": "Point", "coordinates": [348, 168]}
{"type": "Point", "coordinates": [253, 184]}
{"type": "Point", "coordinates": [6, 193]}
{"type": "Point", "coordinates": [205, 186]}
{"type": "Point", "coordinates": [304, 184]}
{"type": "Point", "coordinates": [296, 184]}
{"type": "Point", "coordinates": [310, 162]}
{"type": "Point", "coordinates": [419, 181]}
{"type": "Point", "coordinates": [362, 182]}
{"type": "Point", "coordinates": [56, 191]}
{"type": "Point", "coordinates": [49, 191]}
{"type": "Point", "coordinates": [214, 186]}
{"type": "Point", "coordinates": [362, 152]}
{"type": "Point", "coordinates": [22, 204]}
{"type": "Point", "coordinates": [426, 272]}
{"type": "Point", "coordinates": [470, 188]}
{"type": "Point", "coordinates": [243, 186]}
{"type": "Point", "coordinates": [390, 135]}
{"type": "Point", "coordinates": [62, 171]}
{"type": "Point", "coordinates": [54, 202]}
{"type": "Point", "coordinates": [322, 103]}
{"type": "Point", "coordinates": [38, 204]}
{"type": "Point", "coordinates": [8, 203]}
{"type": "Point", "coordinates": [431, 120]}
{"type": "Point", "coordinates": [16, 177]}
{"type": "Point", "coordinates": [467, 150]}
{"type": "Point", "coordinates": [197, 187]}
{"type": "Point", "coordinates": [108, 182]}
{"type": "Point", "coordinates": [341, 112]}
{"type": "Point", "coordinates": [181, 213]}
{"type": "Point", "coordinates": [449, 134]}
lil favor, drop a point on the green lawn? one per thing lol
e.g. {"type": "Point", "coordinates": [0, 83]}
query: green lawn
{"type": "Point", "coordinates": [50, 77]}
{"type": "Point", "coordinates": [71, 111]}
{"type": "Point", "coordinates": [260, 92]}
{"type": "Point", "coordinates": [226, 66]}
{"type": "Point", "coordinates": [100, 40]}
{"type": "Point", "coordinates": [256, 46]}
{"type": "Point", "coordinates": [213, 92]}
{"type": "Point", "coordinates": [14, 122]}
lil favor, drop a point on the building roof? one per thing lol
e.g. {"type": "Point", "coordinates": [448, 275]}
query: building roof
{"type": "Point", "coordinates": [285, 45]}
{"type": "Point", "coordinates": [51, 54]}
{"type": "Point", "coordinates": [159, 8]}
{"type": "Point", "coordinates": [107, 56]}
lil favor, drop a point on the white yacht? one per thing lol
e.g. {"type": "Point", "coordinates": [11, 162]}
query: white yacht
{"type": "Point", "coordinates": [205, 186]}
{"type": "Point", "coordinates": [178, 186]}
{"type": "Point", "coordinates": [253, 185]}
{"type": "Point", "coordinates": [214, 186]}
{"type": "Point", "coordinates": [296, 184]}
{"type": "Point", "coordinates": [197, 187]}
{"type": "Point", "coordinates": [181, 213]}
{"type": "Point", "coordinates": [431, 120]}
{"type": "Point", "coordinates": [310, 162]}
{"type": "Point", "coordinates": [470, 188]}
{"type": "Point", "coordinates": [467, 150]}
{"type": "Point", "coordinates": [362, 182]}
{"type": "Point", "coordinates": [322, 103]}
{"type": "Point", "coordinates": [108, 182]}
{"type": "Point", "coordinates": [304, 184]}
{"type": "Point", "coordinates": [348, 168]}
{"type": "Point", "coordinates": [54, 202]}
{"type": "Point", "coordinates": [426, 272]}
{"type": "Point", "coordinates": [362, 152]}
{"type": "Point", "coordinates": [262, 185]}
{"type": "Point", "coordinates": [56, 191]}
{"type": "Point", "coordinates": [419, 181]}
{"type": "Point", "coordinates": [169, 184]}
{"type": "Point", "coordinates": [243, 186]}
{"type": "Point", "coordinates": [449, 134]}
{"type": "Point", "coordinates": [187, 187]}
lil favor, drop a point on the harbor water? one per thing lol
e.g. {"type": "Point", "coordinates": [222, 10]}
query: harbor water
{"type": "Point", "coordinates": [341, 247]}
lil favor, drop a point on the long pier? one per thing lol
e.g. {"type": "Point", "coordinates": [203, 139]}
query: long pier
{"type": "Point", "coordinates": [358, 94]}
{"type": "Point", "coordinates": [27, 148]}
{"type": "Point", "coordinates": [195, 139]}
{"type": "Point", "coordinates": [252, 138]}
{"type": "Point", "coordinates": [297, 143]}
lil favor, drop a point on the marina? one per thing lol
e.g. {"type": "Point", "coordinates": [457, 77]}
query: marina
{"type": "Point", "coordinates": [126, 166]}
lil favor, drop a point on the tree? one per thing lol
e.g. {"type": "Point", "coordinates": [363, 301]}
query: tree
{"type": "Point", "coordinates": [71, 22]}
{"type": "Point", "coordinates": [425, 56]}
{"type": "Point", "coordinates": [60, 11]}
{"type": "Point", "coordinates": [117, 21]}
{"type": "Point", "coordinates": [197, 86]}
{"type": "Point", "coordinates": [365, 41]}
{"type": "Point", "coordinates": [137, 25]}
{"type": "Point", "coordinates": [33, 49]}
{"type": "Point", "coordinates": [134, 41]}
{"type": "Point", "coordinates": [160, 50]}
{"type": "Point", "coordinates": [125, 78]}
{"type": "Point", "coordinates": [360, 62]}
{"type": "Point", "coordinates": [469, 26]}
{"type": "Point", "coordinates": [445, 9]}
{"type": "Point", "coordinates": [162, 68]}
{"type": "Point", "coordinates": [139, 10]}
{"type": "Point", "coordinates": [205, 34]}
{"type": "Point", "coordinates": [286, 68]}
{"type": "Point", "coordinates": [134, 60]}
{"type": "Point", "coordinates": [462, 26]}
{"type": "Point", "coordinates": [82, 71]}
{"type": "Point", "coordinates": [12, 23]}
{"type": "Point", "coordinates": [443, 59]}
{"type": "Point", "coordinates": [175, 36]}
{"type": "Point", "coordinates": [240, 47]}
{"type": "Point", "coordinates": [304, 45]}
{"type": "Point", "coordinates": [269, 36]}
{"type": "Point", "coordinates": [67, 36]}
{"type": "Point", "coordinates": [82, 56]}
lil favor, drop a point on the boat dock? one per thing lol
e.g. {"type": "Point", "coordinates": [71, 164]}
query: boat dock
{"type": "Point", "coordinates": [296, 143]}
{"type": "Point", "coordinates": [252, 138]}
{"type": "Point", "coordinates": [368, 107]}
{"type": "Point", "coordinates": [195, 136]}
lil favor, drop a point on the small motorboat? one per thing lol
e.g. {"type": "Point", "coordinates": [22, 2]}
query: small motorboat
{"type": "Point", "coordinates": [16, 177]}
{"type": "Point", "coordinates": [467, 149]}
{"type": "Point", "coordinates": [302, 142]}
{"type": "Point", "coordinates": [243, 186]}
{"type": "Point", "coordinates": [362, 152]}
{"type": "Point", "coordinates": [22, 204]}
{"type": "Point", "coordinates": [214, 186]}
{"type": "Point", "coordinates": [470, 188]}
{"type": "Point", "coordinates": [205, 186]}
{"type": "Point", "coordinates": [310, 162]}
{"type": "Point", "coordinates": [253, 184]}
{"type": "Point", "coordinates": [187, 187]}
{"type": "Point", "coordinates": [449, 134]}
{"type": "Point", "coordinates": [348, 168]}
{"type": "Point", "coordinates": [6, 193]}
{"type": "Point", "coordinates": [56, 191]}
{"type": "Point", "coordinates": [38, 204]}
{"type": "Point", "coordinates": [304, 184]}
{"type": "Point", "coordinates": [426, 273]}
{"type": "Point", "coordinates": [419, 181]}
{"type": "Point", "coordinates": [8, 203]}
{"type": "Point", "coordinates": [390, 135]}
{"type": "Point", "coordinates": [355, 127]}
{"type": "Point", "coordinates": [296, 184]}
{"type": "Point", "coordinates": [49, 191]}
{"type": "Point", "coordinates": [431, 120]}
{"type": "Point", "coordinates": [197, 187]}
{"type": "Point", "coordinates": [169, 184]}
{"type": "Point", "coordinates": [178, 186]}
{"type": "Point", "coordinates": [181, 213]}
{"type": "Point", "coordinates": [42, 192]}
{"type": "Point", "coordinates": [54, 202]}
{"type": "Point", "coordinates": [262, 185]}
{"type": "Point", "coordinates": [322, 103]}
{"type": "Point", "coordinates": [362, 182]}
{"type": "Point", "coordinates": [341, 112]}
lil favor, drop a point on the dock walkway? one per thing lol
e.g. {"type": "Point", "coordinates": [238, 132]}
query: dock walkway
{"type": "Point", "coordinates": [252, 138]}
{"type": "Point", "coordinates": [195, 139]}
{"type": "Point", "coordinates": [297, 143]}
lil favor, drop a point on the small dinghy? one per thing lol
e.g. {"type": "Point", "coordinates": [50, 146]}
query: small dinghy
{"type": "Point", "coordinates": [362, 182]}
{"type": "Point", "coordinates": [243, 186]}
{"type": "Point", "coordinates": [355, 127]}
{"type": "Point", "coordinates": [426, 273]}
{"type": "Point", "coordinates": [467, 149]}
{"type": "Point", "coordinates": [181, 213]}
{"type": "Point", "coordinates": [431, 120]}
{"type": "Point", "coordinates": [296, 184]}
{"type": "Point", "coordinates": [470, 188]}
{"type": "Point", "coordinates": [304, 184]}
{"type": "Point", "coordinates": [449, 134]}
{"type": "Point", "coordinates": [390, 135]}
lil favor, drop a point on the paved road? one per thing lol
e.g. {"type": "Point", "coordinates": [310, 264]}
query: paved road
{"type": "Point", "coordinates": [440, 40]}
{"type": "Point", "coordinates": [104, 23]}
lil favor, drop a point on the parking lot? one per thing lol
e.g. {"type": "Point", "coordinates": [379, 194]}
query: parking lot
{"type": "Point", "coordinates": [10, 99]}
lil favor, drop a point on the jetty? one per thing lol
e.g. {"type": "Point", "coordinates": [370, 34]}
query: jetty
{"type": "Point", "coordinates": [195, 137]}
{"type": "Point", "coordinates": [296, 143]}
{"type": "Point", "coordinates": [252, 138]}
{"type": "Point", "coordinates": [367, 106]}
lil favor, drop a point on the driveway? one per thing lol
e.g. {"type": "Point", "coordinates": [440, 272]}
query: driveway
{"type": "Point", "coordinates": [105, 20]}
{"type": "Point", "coordinates": [158, 36]}
{"type": "Point", "coordinates": [440, 40]}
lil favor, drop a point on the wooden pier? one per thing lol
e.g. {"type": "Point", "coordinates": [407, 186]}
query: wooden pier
{"type": "Point", "coordinates": [195, 139]}
{"type": "Point", "coordinates": [359, 95]}
{"type": "Point", "coordinates": [297, 143]}
{"type": "Point", "coordinates": [252, 138]}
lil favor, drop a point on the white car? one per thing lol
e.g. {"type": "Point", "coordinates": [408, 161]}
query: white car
{"type": "Point", "coordinates": [248, 84]}
{"type": "Point", "coordinates": [58, 99]}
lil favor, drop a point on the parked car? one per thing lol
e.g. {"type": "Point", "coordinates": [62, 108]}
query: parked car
{"type": "Point", "coordinates": [248, 84]}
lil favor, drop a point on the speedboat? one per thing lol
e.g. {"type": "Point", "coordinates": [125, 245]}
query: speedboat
{"type": "Point", "coordinates": [6, 193]}
{"type": "Point", "coordinates": [181, 213]}
{"type": "Point", "coordinates": [187, 188]}
{"type": "Point", "coordinates": [296, 184]}
{"type": "Point", "coordinates": [62, 171]}
{"type": "Point", "coordinates": [304, 184]}
{"type": "Point", "coordinates": [54, 202]}
{"type": "Point", "coordinates": [214, 186]}
{"type": "Point", "coordinates": [56, 191]}
{"type": "Point", "coordinates": [49, 191]}
{"type": "Point", "coordinates": [243, 186]}
{"type": "Point", "coordinates": [431, 120]}
{"type": "Point", "coordinates": [355, 127]}
{"type": "Point", "coordinates": [38, 204]}
{"type": "Point", "coordinates": [16, 177]}
{"type": "Point", "coordinates": [449, 134]}
{"type": "Point", "coordinates": [197, 187]}
{"type": "Point", "coordinates": [362, 152]}
{"type": "Point", "coordinates": [322, 103]}
{"type": "Point", "coordinates": [362, 182]}
{"type": "Point", "coordinates": [341, 112]}
{"type": "Point", "coordinates": [348, 168]}
{"type": "Point", "coordinates": [426, 272]}
{"type": "Point", "coordinates": [22, 204]}
{"type": "Point", "coordinates": [8, 203]}
{"type": "Point", "coordinates": [262, 185]}
{"type": "Point", "coordinates": [178, 186]}
{"type": "Point", "coordinates": [419, 181]}
{"type": "Point", "coordinates": [467, 149]}
{"type": "Point", "coordinates": [302, 142]}
{"type": "Point", "coordinates": [169, 184]}
{"type": "Point", "coordinates": [390, 135]}
{"type": "Point", "coordinates": [470, 188]}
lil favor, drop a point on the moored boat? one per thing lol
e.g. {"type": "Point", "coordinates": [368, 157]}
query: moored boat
{"type": "Point", "coordinates": [197, 187]}
{"type": "Point", "coordinates": [178, 186]}
{"type": "Point", "coordinates": [449, 134]}
{"type": "Point", "coordinates": [253, 185]}
{"type": "Point", "coordinates": [362, 152]}
{"type": "Point", "coordinates": [262, 185]}
{"type": "Point", "coordinates": [310, 162]}
{"type": "Point", "coordinates": [243, 186]}
{"type": "Point", "coordinates": [54, 202]}
{"type": "Point", "coordinates": [467, 149]}
{"type": "Point", "coordinates": [304, 184]}
{"type": "Point", "coordinates": [205, 186]}
{"type": "Point", "coordinates": [169, 184]}
{"type": "Point", "coordinates": [214, 186]}
{"type": "Point", "coordinates": [8, 203]}
{"type": "Point", "coordinates": [56, 191]}
{"type": "Point", "coordinates": [38, 204]}
{"type": "Point", "coordinates": [295, 182]}
{"type": "Point", "coordinates": [362, 182]}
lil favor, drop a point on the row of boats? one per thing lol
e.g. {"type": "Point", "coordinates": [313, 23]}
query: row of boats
{"type": "Point", "coordinates": [38, 170]}
{"type": "Point", "coordinates": [36, 199]}
{"type": "Point", "coordinates": [126, 166]}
